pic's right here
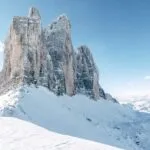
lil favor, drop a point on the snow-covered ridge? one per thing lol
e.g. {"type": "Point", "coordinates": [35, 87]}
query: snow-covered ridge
{"type": "Point", "coordinates": [101, 121]}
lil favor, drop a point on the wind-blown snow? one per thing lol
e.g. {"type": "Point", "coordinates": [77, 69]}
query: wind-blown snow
{"type": "Point", "coordinates": [20, 135]}
{"type": "Point", "coordinates": [102, 121]}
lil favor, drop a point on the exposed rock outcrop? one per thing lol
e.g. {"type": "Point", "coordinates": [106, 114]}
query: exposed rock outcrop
{"type": "Point", "coordinates": [87, 74]}
{"type": "Point", "coordinates": [58, 44]}
{"type": "Point", "coordinates": [22, 49]}
{"type": "Point", "coordinates": [34, 13]}
{"type": "Point", "coordinates": [45, 56]}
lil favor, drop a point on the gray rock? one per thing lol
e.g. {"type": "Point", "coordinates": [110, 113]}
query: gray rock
{"type": "Point", "coordinates": [59, 46]}
{"type": "Point", "coordinates": [110, 98]}
{"type": "Point", "coordinates": [45, 56]}
{"type": "Point", "coordinates": [87, 76]}
{"type": "Point", "coordinates": [34, 13]}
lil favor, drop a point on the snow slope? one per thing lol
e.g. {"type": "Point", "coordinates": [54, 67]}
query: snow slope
{"type": "Point", "coordinates": [102, 121]}
{"type": "Point", "coordinates": [21, 135]}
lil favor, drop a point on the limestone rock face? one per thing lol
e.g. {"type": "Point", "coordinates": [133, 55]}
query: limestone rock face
{"type": "Point", "coordinates": [108, 97]}
{"type": "Point", "coordinates": [87, 77]}
{"type": "Point", "coordinates": [22, 56]}
{"type": "Point", "coordinates": [60, 51]}
{"type": "Point", "coordinates": [45, 56]}
{"type": "Point", "coordinates": [34, 13]}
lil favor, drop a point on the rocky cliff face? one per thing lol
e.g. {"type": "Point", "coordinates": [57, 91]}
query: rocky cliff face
{"type": "Point", "coordinates": [61, 64]}
{"type": "Point", "coordinates": [22, 49]}
{"type": "Point", "coordinates": [45, 56]}
{"type": "Point", "coordinates": [87, 74]}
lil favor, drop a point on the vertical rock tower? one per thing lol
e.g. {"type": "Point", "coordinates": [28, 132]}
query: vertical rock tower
{"type": "Point", "coordinates": [22, 49]}
{"type": "Point", "coordinates": [58, 44]}
{"type": "Point", "coordinates": [45, 56]}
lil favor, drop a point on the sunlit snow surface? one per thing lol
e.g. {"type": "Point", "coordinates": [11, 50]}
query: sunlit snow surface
{"type": "Point", "coordinates": [102, 122]}
{"type": "Point", "coordinates": [16, 134]}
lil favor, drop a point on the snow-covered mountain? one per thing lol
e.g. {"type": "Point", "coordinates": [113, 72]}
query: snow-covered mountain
{"type": "Point", "coordinates": [100, 121]}
{"type": "Point", "coordinates": [46, 81]}
{"type": "Point", "coordinates": [140, 103]}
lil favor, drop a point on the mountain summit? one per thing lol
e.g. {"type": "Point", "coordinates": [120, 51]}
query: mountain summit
{"type": "Point", "coordinates": [45, 56]}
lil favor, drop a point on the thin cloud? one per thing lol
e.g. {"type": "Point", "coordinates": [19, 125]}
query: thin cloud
{"type": "Point", "coordinates": [147, 78]}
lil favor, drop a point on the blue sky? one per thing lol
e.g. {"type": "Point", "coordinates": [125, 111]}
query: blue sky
{"type": "Point", "coordinates": [117, 31]}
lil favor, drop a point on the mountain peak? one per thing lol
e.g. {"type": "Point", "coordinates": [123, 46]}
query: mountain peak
{"type": "Point", "coordinates": [62, 22]}
{"type": "Point", "coordinates": [34, 13]}
{"type": "Point", "coordinates": [35, 55]}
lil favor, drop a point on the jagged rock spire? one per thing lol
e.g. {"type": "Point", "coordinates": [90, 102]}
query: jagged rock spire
{"type": "Point", "coordinates": [34, 55]}
{"type": "Point", "coordinates": [87, 73]}
{"type": "Point", "coordinates": [34, 13]}
{"type": "Point", "coordinates": [62, 22]}
{"type": "Point", "coordinates": [59, 46]}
